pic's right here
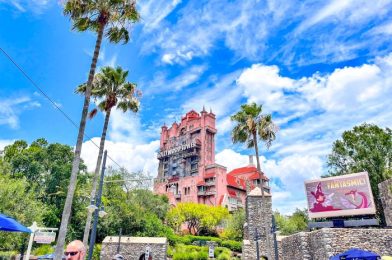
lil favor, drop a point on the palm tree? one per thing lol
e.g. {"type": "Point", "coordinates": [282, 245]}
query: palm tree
{"type": "Point", "coordinates": [109, 17]}
{"type": "Point", "coordinates": [251, 126]}
{"type": "Point", "coordinates": [111, 88]}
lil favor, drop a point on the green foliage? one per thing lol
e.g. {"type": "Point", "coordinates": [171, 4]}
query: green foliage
{"type": "Point", "coordinates": [18, 201]}
{"type": "Point", "coordinates": [196, 216]}
{"type": "Point", "coordinates": [190, 252]}
{"type": "Point", "coordinates": [251, 125]}
{"type": "Point", "coordinates": [97, 251]}
{"type": "Point", "coordinates": [43, 250]}
{"type": "Point", "coordinates": [288, 225]}
{"type": "Point", "coordinates": [112, 15]}
{"type": "Point", "coordinates": [190, 239]}
{"type": "Point", "coordinates": [232, 245]}
{"type": "Point", "coordinates": [235, 226]}
{"type": "Point", "coordinates": [364, 148]}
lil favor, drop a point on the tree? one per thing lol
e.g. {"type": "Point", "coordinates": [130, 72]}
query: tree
{"type": "Point", "coordinates": [196, 216]}
{"type": "Point", "coordinates": [234, 229]}
{"type": "Point", "coordinates": [111, 87]}
{"type": "Point", "coordinates": [109, 17]}
{"type": "Point", "coordinates": [366, 147]}
{"type": "Point", "coordinates": [48, 164]}
{"type": "Point", "coordinates": [251, 126]}
{"type": "Point", "coordinates": [18, 201]}
{"type": "Point", "coordinates": [291, 224]}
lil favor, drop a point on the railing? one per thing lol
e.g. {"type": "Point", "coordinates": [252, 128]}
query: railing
{"type": "Point", "coordinates": [206, 193]}
{"type": "Point", "coordinates": [210, 183]}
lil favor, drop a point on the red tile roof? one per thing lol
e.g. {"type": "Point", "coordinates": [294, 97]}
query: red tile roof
{"type": "Point", "coordinates": [235, 182]}
{"type": "Point", "coordinates": [247, 170]}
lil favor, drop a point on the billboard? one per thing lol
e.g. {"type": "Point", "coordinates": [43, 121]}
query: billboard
{"type": "Point", "coordinates": [343, 195]}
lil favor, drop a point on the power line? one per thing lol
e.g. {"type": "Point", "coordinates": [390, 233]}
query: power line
{"type": "Point", "coordinates": [51, 101]}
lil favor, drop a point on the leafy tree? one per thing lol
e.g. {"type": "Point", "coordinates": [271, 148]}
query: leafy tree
{"type": "Point", "coordinates": [196, 216]}
{"type": "Point", "coordinates": [50, 166]}
{"type": "Point", "coordinates": [18, 201]}
{"type": "Point", "coordinates": [111, 87]}
{"type": "Point", "coordinates": [109, 17]}
{"type": "Point", "coordinates": [294, 223]}
{"type": "Point", "coordinates": [364, 148]}
{"type": "Point", "coordinates": [234, 229]}
{"type": "Point", "coordinates": [251, 126]}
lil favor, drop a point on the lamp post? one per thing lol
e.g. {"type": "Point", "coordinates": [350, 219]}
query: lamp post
{"type": "Point", "coordinates": [273, 231]}
{"type": "Point", "coordinates": [96, 210]}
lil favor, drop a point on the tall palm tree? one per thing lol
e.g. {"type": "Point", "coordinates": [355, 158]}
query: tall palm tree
{"type": "Point", "coordinates": [109, 86]}
{"type": "Point", "coordinates": [251, 126]}
{"type": "Point", "coordinates": [104, 17]}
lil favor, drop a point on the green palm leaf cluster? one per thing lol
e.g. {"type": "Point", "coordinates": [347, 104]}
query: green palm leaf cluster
{"type": "Point", "coordinates": [252, 125]}
{"type": "Point", "coordinates": [111, 89]}
{"type": "Point", "coordinates": [112, 16]}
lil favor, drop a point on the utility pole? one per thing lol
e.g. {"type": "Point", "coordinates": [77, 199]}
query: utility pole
{"type": "Point", "coordinates": [98, 206]}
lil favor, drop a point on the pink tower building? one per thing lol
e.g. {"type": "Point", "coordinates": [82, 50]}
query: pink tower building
{"type": "Point", "coordinates": [187, 171]}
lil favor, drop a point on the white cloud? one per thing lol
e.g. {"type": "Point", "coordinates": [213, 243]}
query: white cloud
{"type": "Point", "coordinates": [4, 143]}
{"type": "Point", "coordinates": [133, 157]}
{"type": "Point", "coordinates": [10, 109]}
{"type": "Point", "coordinates": [153, 11]}
{"type": "Point", "coordinates": [291, 171]}
{"type": "Point", "coordinates": [36, 6]}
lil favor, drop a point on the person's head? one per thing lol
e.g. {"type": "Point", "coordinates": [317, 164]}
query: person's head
{"type": "Point", "coordinates": [75, 251]}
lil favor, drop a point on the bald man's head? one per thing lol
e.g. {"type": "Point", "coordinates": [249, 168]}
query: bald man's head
{"type": "Point", "coordinates": [75, 250]}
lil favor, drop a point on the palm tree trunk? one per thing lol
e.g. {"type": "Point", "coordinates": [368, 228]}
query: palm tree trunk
{"type": "Point", "coordinates": [78, 149]}
{"type": "Point", "coordinates": [96, 175]}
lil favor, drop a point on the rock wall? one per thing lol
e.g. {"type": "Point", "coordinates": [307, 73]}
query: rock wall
{"type": "Point", "coordinates": [385, 189]}
{"type": "Point", "coordinates": [133, 247]}
{"type": "Point", "coordinates": [258, 216]}
{"type": "Point", "coordinates": [324, 243]}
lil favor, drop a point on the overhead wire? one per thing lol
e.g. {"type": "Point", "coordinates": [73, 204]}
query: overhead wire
{"type": "Point", "coordinates": [52, 102]}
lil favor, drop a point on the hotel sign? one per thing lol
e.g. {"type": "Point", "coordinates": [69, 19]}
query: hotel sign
{"type": "Point", "coordinates": [343, 195]}
{"type": "Point", "coordinates": [176, 150]}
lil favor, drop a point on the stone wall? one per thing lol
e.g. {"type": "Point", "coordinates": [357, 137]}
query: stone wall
{"type": "Point", "coordinates": [133, 247]}
{"type": "Point", "coordinates": [324, 243]}
{"type": "Point", "coordinates": [258, 213]}
{"type": "Point", "coordinates": [385, 189]}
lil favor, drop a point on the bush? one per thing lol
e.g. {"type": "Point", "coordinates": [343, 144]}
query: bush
{"type": "Point", "coordinates": [43, 250]}
{"type": "Point", "coordinates": [222, 253]}
{"type": "Point", "coordinates": [233, 245]}
{"type": "Point", "coordinates": [97, 251]}
{"type": "Point", "coordinates": [190, 252]}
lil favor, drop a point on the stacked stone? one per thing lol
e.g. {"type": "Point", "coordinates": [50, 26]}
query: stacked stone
{"type": "Point", "coordinates": [258, 215]}
{"type": "Point", "coordinates": [327, 242]}
{"type": "Point", "coordinates": [385, 189]}
{"type": "Point", "coordinates": [132, 248]}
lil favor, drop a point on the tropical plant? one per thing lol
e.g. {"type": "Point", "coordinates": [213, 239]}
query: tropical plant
{"type": "Point", "coordinates": [110, 17]}
{"type": "Point", "coordinates": [112, 89]}
{"type": "Point", "coordinates": [251, 126]}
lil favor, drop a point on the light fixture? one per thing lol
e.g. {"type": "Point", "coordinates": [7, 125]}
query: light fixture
{"type": "Point", "coordinates": [91, 208]}
{"type": "Point", "coordinates": [102, 213]}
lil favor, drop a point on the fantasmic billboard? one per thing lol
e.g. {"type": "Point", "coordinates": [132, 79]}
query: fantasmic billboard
{"type": "Point", "coordinates": [343, 195]}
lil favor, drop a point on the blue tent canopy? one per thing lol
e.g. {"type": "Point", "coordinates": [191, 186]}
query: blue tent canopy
{"type": "Point", "coordinates": [356, 254]}
{"type": "Point", "coordinates": [11, 225]}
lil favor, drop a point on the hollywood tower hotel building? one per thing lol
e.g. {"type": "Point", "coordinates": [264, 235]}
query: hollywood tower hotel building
{"type": "Point", "coordinates": [187, 170]}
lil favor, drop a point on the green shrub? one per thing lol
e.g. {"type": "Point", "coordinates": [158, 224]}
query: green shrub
{"type": "Point", "coordinates": [190, 252]}
{"type": "Point", "coordinates": [5, 255]}
{"type": "Point", "coordinates": [97, 251]}
{"type": "Point", "coordinates": [222, 253]}
{"type": "Point", "coordinates": [233, 245]}
{"type": "Point", "coordinates": [43, 250]}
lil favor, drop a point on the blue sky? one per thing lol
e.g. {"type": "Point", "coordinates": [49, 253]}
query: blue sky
{"type": "Point", "coordinates": [320, 67]}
